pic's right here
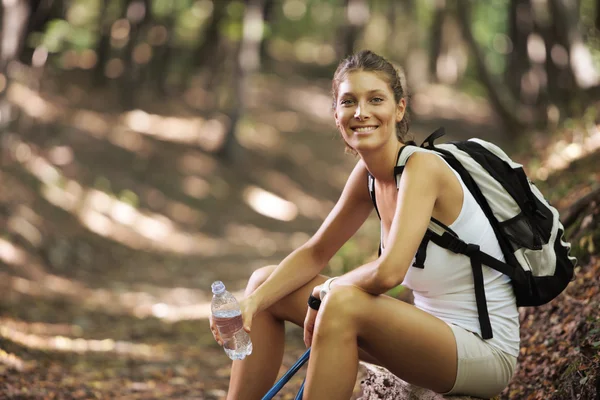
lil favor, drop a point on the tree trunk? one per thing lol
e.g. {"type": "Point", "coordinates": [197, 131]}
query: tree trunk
{"type": "Point", "coordinates": [15, 15]}
{"type": "Point", "coordinates": [500, 99]}
{"type": "Point", "coordinates": [130, 77]}
{"type": "Point", "coordinates": [597, 20]}
{"type": "Point", "coordinates": [268, 17]}
{"type": "Point", "coordinates": [357, 16]}
{"type": "Point", "coordinates": [519, 29]}
{"type": "Point", "coordinates": [247, 64]}
{"type": "Point", "coordinates": [162, 55]}
{"type": "Point", "coordinates": [435, 48]}
{"type": "Point", "coordinates": [566, 18]}
{"type": "Point", "coordinates": [209, 45]}
{"type": "Point", "coordinates": [103, 47]}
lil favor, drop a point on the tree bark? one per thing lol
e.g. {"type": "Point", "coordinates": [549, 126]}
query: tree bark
{"type": "Point", "coordinates": [103, 47]}
{"type": "Point", "coordinates": [209, 45]}
{"type": "Point", "coordinates": [163, 54]}
{"type": "Point", "coordinates": [519, 29]}
{"type": "Point", "coordinates": [268, 17]}
{"type": "Point", "coordinates": [15, 16]}
{"type": "Point", "coordinates": [566, 19]}
{"type": "Point", "coordinates": [247, 64]}
{"type": "Point", "coordinates": [435, 48]}
{"type": "Point", "coordinates": [131, 72]}
{"type": "Point", "coordinates": [597, 20]}
{"type": "Point", "coordinates": [357, 16]}
{"type": "Point", "coordinates": [500, 98]}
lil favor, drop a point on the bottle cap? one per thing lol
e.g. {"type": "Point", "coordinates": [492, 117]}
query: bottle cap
{"type": "Point", "coordinates": [217, 287]}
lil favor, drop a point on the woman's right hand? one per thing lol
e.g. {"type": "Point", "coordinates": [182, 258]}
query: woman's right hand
{"type": "Point", "coordinates": [248, 308]}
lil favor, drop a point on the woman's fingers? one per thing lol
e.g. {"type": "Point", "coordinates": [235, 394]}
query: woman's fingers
{"type": "Point", "coordinates": [309, 326]}
{"type": "Point", "coordinates": [215, 331]}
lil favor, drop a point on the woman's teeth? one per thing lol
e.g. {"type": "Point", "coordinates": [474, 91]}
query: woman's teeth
{"type": "Point", "coordinates": [365, 129]}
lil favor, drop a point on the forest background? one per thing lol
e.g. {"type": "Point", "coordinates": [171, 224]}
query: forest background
{"type": "Point", "coordinates": [150, 147]}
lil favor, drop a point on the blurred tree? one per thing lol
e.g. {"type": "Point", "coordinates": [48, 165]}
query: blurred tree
{"type": "Point", "coordinates": [549, 66]}
{"type": "Point", "coordinates": [435, 47]}
{"type": "Point", "coordinates": [209, 52]}
{"type": "Point", "coordinates": [103, 45]}
{"type": "Point", "coordinates": [499, 97]}
{"type": "Point", "coordinates": [357, 16]}
{"type": "Point", "coordinates": [14, 19]}
{"type": "Point", "coordinates": [247, 64]}
{"type": "Point", "coordinates": [135, 13]}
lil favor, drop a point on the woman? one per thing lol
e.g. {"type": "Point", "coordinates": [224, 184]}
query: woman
{"type": "Point", "coordinates": [435, 344]}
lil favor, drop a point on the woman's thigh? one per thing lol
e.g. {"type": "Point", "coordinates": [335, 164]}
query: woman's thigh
{"type": "Point", "coordinates": [410, 343]}
{"type": "Point", "coordinates": [293, 307]}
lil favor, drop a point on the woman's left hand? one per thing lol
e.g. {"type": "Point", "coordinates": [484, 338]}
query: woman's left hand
{"type": "Point", "coordinates": [309, 326]}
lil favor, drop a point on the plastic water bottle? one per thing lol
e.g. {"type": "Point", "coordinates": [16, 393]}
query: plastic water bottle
{"type": "Point", "coordinates": [227, 317]}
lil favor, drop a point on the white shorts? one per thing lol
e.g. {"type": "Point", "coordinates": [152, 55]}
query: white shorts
{"type": "Point", "coordinates": [483, 370]}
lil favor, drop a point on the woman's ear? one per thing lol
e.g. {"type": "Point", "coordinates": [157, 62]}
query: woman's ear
{"type": "Point", "coordinates": [400, 110]}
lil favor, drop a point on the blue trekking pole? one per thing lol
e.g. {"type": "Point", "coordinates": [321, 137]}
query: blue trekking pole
{"type": "Point", "coordinates": [287, 376]}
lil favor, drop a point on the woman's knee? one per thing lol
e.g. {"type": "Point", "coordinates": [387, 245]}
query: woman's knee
{"type": "Point", "coordinates": [258, 277]}
{"type": "Point", "coordinates": [339, 310]}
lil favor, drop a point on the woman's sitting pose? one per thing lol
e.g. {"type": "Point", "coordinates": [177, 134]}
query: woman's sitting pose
{"type": "Point", "coordinates": [436, 343]}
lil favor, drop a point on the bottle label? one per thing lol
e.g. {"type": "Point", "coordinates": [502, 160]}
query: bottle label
{"type": "Point", "coordinates": [228, 325]}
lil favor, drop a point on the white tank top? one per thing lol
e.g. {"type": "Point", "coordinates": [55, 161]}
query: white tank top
{"type": "Point", "coordinates": [444, 288]}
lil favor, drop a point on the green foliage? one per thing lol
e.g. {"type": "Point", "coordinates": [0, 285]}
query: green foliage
{"type": "Point", "coordinates": [57, 32]}
{"type": "Point", "coordinates": [490, 22]}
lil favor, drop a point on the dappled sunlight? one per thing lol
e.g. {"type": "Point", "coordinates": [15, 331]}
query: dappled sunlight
{"type": "Point", "coordinates": [124, 130]}
{"type": "Point", "coordinates": [79, 345]}
{"type": "Point", "coordinates": [169, 304]}
{"type": "Point", "coordinates": [265, 242]}
{"type": "Point", "coordinates": [42, 328]}
{"type": "Point", "coordinates": [11, 360]}
{"type": "Point", "coordinates": [270, 205]}
{"type": "Point", "coordinates": [10, 254]}
{"type": "Point", "coordinates": [97, 124]}
{"type": "Point", "coordinates": [260, 136]}
{"type": "Point", "coordinates": [311, 101]}
{"type": "Point", "coordinates": [33, 104]}
{"type": "Point", "coordinates": [562, 153]}
{"type": "Point", "coordinates": [208, 134]}
{"type": "Point", "coordinates": [194, 162]}
{"type": "Point", "coordinates": [437, 101]}
{"type": "Point", "coordinates": [308, 206]}
{"type": "Point", "coordinates": [113, 218]}
{"type": "Point", "coordinates": [305, 50]}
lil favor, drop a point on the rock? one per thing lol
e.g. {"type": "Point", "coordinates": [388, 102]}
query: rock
{"type": "Point", "coordinates": [380, 384]}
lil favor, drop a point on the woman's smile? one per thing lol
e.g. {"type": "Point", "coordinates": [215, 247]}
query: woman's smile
{"type": "Point", "coordinates": [363, 130]}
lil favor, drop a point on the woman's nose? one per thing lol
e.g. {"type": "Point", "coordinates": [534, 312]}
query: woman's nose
{"type": "Point", "coordinates": [361, 112]}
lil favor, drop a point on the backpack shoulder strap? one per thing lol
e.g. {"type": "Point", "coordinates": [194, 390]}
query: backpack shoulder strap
{"type": "Point", "coordinates": [428, 143]}
{"type": "Point", "coordinates": [371, 187]}
{"type": "Point", "coordinates": [403, 156]}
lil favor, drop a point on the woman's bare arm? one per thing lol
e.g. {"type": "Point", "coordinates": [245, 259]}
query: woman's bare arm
{"type": "Point", "coordinates": [302, 265]}
{"type": "Point", "coordinates": [418, 192]}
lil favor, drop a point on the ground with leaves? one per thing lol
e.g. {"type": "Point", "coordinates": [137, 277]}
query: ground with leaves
{"type": "Point", "coordinates": [94, 305]}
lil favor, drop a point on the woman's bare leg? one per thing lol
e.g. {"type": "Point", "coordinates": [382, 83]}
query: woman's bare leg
{"type": "Point", "coordinates": [412, 344]}
{"type": "Point", "coordinates": [252, 377]}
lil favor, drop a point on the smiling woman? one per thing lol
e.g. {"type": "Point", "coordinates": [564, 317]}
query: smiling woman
{"type": "Point", "coordinates": [436, 344]}
{"type": "Point", "coordinates": [368, 86]}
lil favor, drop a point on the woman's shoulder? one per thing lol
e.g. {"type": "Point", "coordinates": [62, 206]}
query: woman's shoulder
{"type": "Point", "coordinates": [424, 162]}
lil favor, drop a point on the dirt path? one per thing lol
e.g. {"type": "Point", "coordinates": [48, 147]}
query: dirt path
{"type": "Point", "coordinates": [114, 234]}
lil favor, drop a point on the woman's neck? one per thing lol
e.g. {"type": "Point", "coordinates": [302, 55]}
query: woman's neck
{"type": "Point", "coordinates": [381, 162]}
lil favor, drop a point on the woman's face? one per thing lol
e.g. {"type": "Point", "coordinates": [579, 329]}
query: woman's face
{"type": "Point", "coordinates": [366, 112]}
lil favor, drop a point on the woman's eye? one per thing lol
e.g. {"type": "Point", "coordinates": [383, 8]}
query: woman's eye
{"type": "Point", "coordinates": [346, 102]}
{"type": "Point", "coordinates": [377, 99]}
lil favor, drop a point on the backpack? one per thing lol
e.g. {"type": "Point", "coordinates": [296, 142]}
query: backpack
{"type": "Point", "coordinates": [528, 229]}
